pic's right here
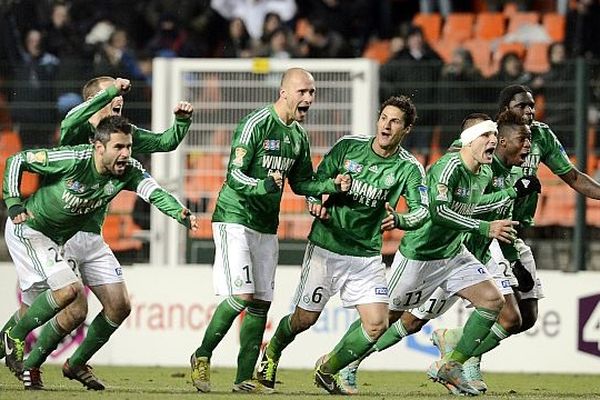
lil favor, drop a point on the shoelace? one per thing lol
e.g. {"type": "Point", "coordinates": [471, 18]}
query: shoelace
{"type": "Point", "coordinates": [472, 371]}
{"type": "Point", "coordinates": [350, 376]}
{"type": "Point", "coordinates": [271, 370]}
{"type": "Point", "coordinates": [19, 347]}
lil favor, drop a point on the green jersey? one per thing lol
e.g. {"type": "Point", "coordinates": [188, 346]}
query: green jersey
{"type": "Point", "coordinates": [75, 129]}
{"type": "Point", "coordinates": [72, 190]}
{"type": "Point", "coordinates": [262, 143]}
{"type": "Point", "coordinates": [354, 224]}
{"type": "Point", "coordinates": [455, 195]}
{"type": "Point", "coordinates": [503, 177]}
{"type": "Point", "coordinates": [545, 148]}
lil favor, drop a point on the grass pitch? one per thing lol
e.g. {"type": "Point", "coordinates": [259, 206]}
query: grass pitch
{"type": "Point", "coordinates": [128, 383]}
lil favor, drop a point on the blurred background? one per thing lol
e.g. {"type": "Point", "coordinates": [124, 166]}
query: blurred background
{"type": "Point", "coordinates": [451, 56]}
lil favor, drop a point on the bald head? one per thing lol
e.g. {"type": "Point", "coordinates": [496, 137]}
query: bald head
{"type": "Point", "coordinates": [294, 75]}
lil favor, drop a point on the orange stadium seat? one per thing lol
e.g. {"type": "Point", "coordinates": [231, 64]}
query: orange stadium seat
{"type": "Point", "coordinates": [536, 59]}
{"type": "Point", "coordinates": [558, 205]}
{"type": "Point", "coordinates": [489, 25]}
{"type": "Point", "coordinates": [445, 48]}
{"type": "Point", "coordinates": [378, 50]}
{"type": "Point", "coordinates": [482, 54]}
{"type": "Point", "coordinates": [204, 230]}
{"type": "Point", "coordinates": [118, 232]}
{"type": "Point", "coordinates": [430, 24]}
{"type": "Point", "coordinates": [522, 18]}
{"type": "Point", "coordinates": [458, 27]}
{"type": "Point", "coordinates": [555, 26]}
{"type": "Point", "coordinates": [10, 141]}
{"type": "Point", "coordinates": [123, 203]}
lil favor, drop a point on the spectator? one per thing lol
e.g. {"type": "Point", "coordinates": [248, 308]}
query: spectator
{"type": "Point", "coordinates": [512, 71]}
{"type": "Point", "coordinates": [321, 42]}
{"type": "Point", "coordinates": [170, 40]}
{"type": "Point", "coordinates": [238, 44]}
{"type": "Point", "coordinates": [34, 93]}
{"type": "Point", "coordinates": [115, 58]}
{"type": "Point", "coordinates": [279, 45]}
{"type": "Point", "coordinates": [415, 48]}
{"type": "Point", "coordinates": [62, 39]}
{"type": "Point", "coordinates": [582, 33]}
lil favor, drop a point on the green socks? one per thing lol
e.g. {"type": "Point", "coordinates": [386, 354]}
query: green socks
{"type": "Point", "coordinates": [251, 334]}
{"type": "Point", "coordinates": [391, 336]}
{"type": "Point", "coordinates": [47, 342]}
{"type": "Point", "coordinates": [476, 329]}
{"type": "Point", "coordinates": [282, 337]}
{"type": "Point", "coordinates": [493, 339]}
{"type": "Point", "coordinates": [98, 334]}
{"type": "Point", "coordinates": [352, 347]}
{"type": "Point", "coordinates": [220, 323]}
{"type": "Point", "coordinates": [43, 308]}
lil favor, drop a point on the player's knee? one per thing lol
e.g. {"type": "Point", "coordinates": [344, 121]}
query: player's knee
{"type": "Point", "coordinates": [66, 295]}
{"type": "Point", "coordinates": [412, 324]}
{"type": "Point", "coordinates": [375, 328]}
{"type": "Point", "coordinates": [301, 320]}
{"type": "Point", "coordinates": [118, 311]}
{"type": "Point", "coordinates": [511, 322]}
{"type": "Point", "coordinates": [77, 311]}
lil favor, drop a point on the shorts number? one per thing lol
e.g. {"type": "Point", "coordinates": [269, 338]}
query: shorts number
{"type": "Point", "coordinates": [433, 302]}
{"type": "Point", "coordinates": [409, 298]}
{"type": "Point", "coordinates": [247, 269]}
{"type": "Point", "coordinates": [57, 256]}
{"type": "Point", "coordinates": [317, 296]}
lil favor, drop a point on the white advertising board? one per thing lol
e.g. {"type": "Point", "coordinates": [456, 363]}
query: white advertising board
{"type": "Point", "coordinates": [172, 306]}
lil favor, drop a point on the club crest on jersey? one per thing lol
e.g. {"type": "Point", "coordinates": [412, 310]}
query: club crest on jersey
{"type": "Point", "coordinates": [238, 161]}
{"type": "Point", "coordinates": [109, 188]}
{"type": "Point", "coordinates": [75, 186]}
{"type": "Point", "coordinates": [269, 144]}
{"type": "Point", "coordinates": [286, 140]}
{"type": "Point", "coordinates": [37, 157]}
{"type": "Point", "coordinates": [389, 180]}
{"type": "Point", "coordinates": [498, 182]}
{"type": "Point", "coordinates": [353, 166]}
{"type": "Point", "coordinates": [373, 168]}
{"type": "Point", "coordinates": [461, 192]}
{"type": "Point", "coordinates": [442, 192]}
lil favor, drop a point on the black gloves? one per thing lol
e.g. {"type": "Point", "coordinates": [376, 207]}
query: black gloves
{"type": "Point", "coordinates": [523, 276]}
{"type": "Point", "coordinates": [15, 210]}
{"type": "Point", "coordinates": [270, 185]}
{"type": "Point", "coordinates": [526, 185]}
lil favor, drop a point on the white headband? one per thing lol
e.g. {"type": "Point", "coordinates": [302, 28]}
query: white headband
{"type": "Point", "coordinates": [472, 133]}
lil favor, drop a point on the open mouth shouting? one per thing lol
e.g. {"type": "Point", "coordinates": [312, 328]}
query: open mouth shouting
{"type": "Point", "coordinates": [120, 166]}
{"type": "Point", "coordinates": [488, 153]}
{"type": "Point", "coordinates": [301, 111]}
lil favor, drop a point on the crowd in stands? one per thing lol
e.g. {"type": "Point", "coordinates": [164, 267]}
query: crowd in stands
{"type": "Point", "coordinates": [51, 46]}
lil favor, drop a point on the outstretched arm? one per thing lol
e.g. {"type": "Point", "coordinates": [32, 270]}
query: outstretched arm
{"type": "Point", "coordinates": [582, 183]}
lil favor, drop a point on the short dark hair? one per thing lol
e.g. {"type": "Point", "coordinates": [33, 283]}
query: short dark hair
{"type": "Point", "coordinates": [506, 120]}
{"type": "Point", "coordinates": [111, 124]}
{"type": "Point", "coordinates": [471, 118]}
{"type": "Point", "coordinates": [508, 93]}
{"type": "Point", "coordinates": [92, 86]}
{"type": "Point", "coordinates": [405, 104]}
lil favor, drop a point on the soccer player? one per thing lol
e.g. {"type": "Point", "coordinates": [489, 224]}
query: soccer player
{"type": "Point", "coordinates": [514, 144]}
{"type": "Point", "coordinates": [97, 265]}
{"type": "Point", "coordinates": [434, 255]}
{"type": "Point", "coordinates": [545, 148]}
{"type": "Point", "coordinates": [77, 181]}
{"type": "Point", "coordinates": [344, 250]}
{"type": "Point", "coordinates": [269, 145]}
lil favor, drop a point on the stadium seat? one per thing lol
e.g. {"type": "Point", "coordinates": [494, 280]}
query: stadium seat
{"type": "Point", "coordinates": [430, 24]}
{"type": "Point", "coordinates": [489, 25]}
{"type": "Point", "coordinates": [522, 18]}
{"type": "Point", "coordinates": [10, 141]}
{"type": "Point", "coordinates": [555, 26]}
{"type": "Point", "coordinates": [118, 231]}
{"type": "Point", "coordinates": [482, 54]}
{"type": "Point", "coordinates": [558, 205]}
{"type": "Point", "coordinates": [536, 59]}
{"type": "Point", "coordinates": [458, 27]}
{"type": "Point", "coordinates": [540, 107]}
{"type": "Point", "coordinates": [378, 50]}
{"type": "Point", "coordinates": [205, 227]}
{"type": "Point", "coordinates": [510, 47]}
{"type": "Point", "coordinates": [445, 48]}
{"type": "Point", "coordinates": [123, 203]}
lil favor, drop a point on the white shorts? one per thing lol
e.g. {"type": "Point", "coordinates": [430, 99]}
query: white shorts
{"type": "Point", "coordinates": [500, 269]}
{"type": "Point", "coordinates": [245, 261]}
{"type": "Point", "coordinates": [89, 254]}
{"type": "Point", "coordinates": [441, 301]}
{"type": "Point", "coordinates": [37, 259]}
{"type": "Point", "coordinates": [412, 282]}
{"type": "Point", "coordinates": [360, 280]}
{"type": "Point", "coordinates": [528, 262]}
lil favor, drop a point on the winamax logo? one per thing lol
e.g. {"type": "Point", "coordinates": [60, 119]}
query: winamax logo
{"type": "Point", "coordinates": [588, 335]}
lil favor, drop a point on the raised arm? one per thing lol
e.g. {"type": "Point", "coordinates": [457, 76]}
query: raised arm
{"type": "Point", "coordinates": [145, 141]}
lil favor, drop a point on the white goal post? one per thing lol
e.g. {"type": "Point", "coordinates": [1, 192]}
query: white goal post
{"type": "Point", "coordinates": [224, 90]}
